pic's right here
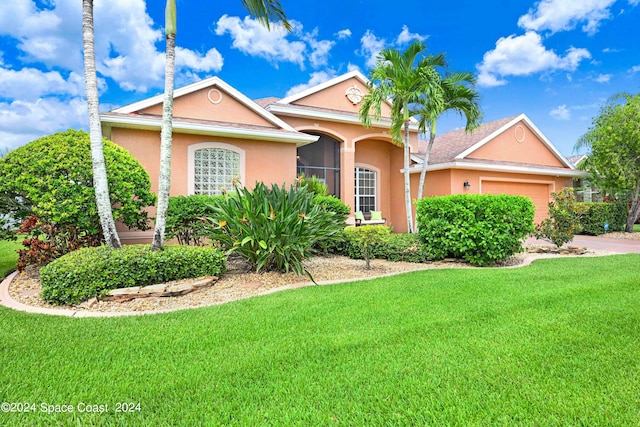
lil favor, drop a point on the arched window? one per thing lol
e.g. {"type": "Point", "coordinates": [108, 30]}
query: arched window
{"type": "Point", "coordinates": [213, 166]}
{"type": "Point", "coordinates": [365, 190]}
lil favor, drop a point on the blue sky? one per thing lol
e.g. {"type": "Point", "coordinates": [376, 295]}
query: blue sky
{"type": "Point", "coordinates": [557, 61]}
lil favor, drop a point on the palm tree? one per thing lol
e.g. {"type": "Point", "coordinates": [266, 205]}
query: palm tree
{"type": "Point", "coordinates": [100, 183]}
{"type": "Point", "coordinates": [457, 93]}
{"type": "Point", "coordinates": [399, 77]}
{"type": "Point", "coordinates": [265, 11]}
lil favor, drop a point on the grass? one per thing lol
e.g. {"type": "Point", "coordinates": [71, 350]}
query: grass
{"type": "Point", "coordinates": [552, 344]}
{"type": "Point", "coordinates": [8, 257]}
{"type": "Point", "coordinates": [636, 228]}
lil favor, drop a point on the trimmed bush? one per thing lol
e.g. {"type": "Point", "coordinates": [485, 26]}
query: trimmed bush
{"type": "Point", "coordinates": [481, 229]}
{"type": "Point", "coordinates": [47, 187]}
{"type": "Point", "coordinates": [93, 272]}
{"type": "Point", "coordinates": [333, 204]}
{"type": "Point", "coordinates": [272, 228]}
{"type": "Point", "coordinates": [392, 247]}
{"type": "Point", "coordinates": [186, 217]}
{"type": "Point", "coordinates": [594, 215]}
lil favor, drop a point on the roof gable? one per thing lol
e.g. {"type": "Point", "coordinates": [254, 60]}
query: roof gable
{"type": "Point", "coordinates": [342, 93]}
{"type": "Point", "coordinates": [209, 99]}
{"type": "Point", "coordinates": [512, 139]}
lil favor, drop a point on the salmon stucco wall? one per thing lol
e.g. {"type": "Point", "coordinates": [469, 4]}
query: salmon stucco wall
{"type": "Point", "coordinates": [517, 144]}
{"type": "Point", "coordinates": [212, 104]}
{"type": "Point", "coordinates": [269, 162]}
{"type": "Point", "coordinates": [536, 187]}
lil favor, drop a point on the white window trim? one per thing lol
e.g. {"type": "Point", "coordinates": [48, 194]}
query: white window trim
{"type": "Point", "coordinates": [377, 196]}
{"type": "Point", "coordinates": [191, 161]}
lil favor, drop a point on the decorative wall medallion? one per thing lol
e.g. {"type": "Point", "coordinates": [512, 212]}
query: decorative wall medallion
{"type": "Point", "coordinates": [354, 94]}
{"type": "Point", "coordinates": [215, 96]}
{"type": "Point", "coordinates": [520, 133]}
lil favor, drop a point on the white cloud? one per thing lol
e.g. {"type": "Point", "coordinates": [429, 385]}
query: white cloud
{"type": "Point", "coordinates": [635, 69]}
{"type": "Point", "coordinates": [344, 34]}
{"type": "Point", "coordinates": [315, 79]}
{"type": "Point", "coordinates": [406, 36]}
{"type": "Point", "coordinates": [524, 55]}
{"type": "Point", "coordinates": [561, 112]}
{"type": "Point", "coordinates": [126, 40]}
{"type": "Point", "coordinates": [24, 121]}
{"type": "Point", "coordinates": [319, 49]}
{"type": "Point", "coordinates": [29, 84]}
{"type": "Point", "coordinates": [563, 15]}
{"type": "Point", "coordinates": [611, 50]}
{"type": "Point", "coordinates": [370, 47]}
{"type": "Point", "coordinates": [602, 78]}
{"type": "Point", "coordinates": [252, 38]}
{"type": "Point", "coordinates": [634, 2]}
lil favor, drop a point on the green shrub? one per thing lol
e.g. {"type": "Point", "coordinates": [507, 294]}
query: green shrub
{"type": "Point", "coordinates": [563, 222]}
{"type": "Point", "coordinates": [313, 185]}
{"type": "Point", "coordinates": [272, 228]}
{"type": "Point", "coordinates": [333, 204]}
{"type": "Point", "coordinates": [393, 247]}
{"type": "Point", "coordinates": [479, 228]}
{"type": "Point", "coordinates": [186, 218]}
{"type": "Point", "coordinates": [594, 215]}
{"type": "Point", "coordinates": [93, 272]}
{"type": "Point", "coordinates": [365, 238]}
{"type": "Point", "coordinates": [51, 178]}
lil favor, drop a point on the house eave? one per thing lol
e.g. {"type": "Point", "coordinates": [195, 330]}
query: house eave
{"type": "Point", "coordinates": [297, 138]}
{"type": "Point", "coordinates": [289, 111]}
{"type": "Point", "coordinates": [566, 173]}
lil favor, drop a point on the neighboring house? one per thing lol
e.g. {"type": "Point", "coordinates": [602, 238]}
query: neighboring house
{"type": "Point", "coordinates": [220, 135]}
{"type": "Point", "coordinates": [584, 190]}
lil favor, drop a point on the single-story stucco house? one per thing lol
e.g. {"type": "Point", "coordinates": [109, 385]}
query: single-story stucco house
{"type": "Point", "coordinates": [219, 135]}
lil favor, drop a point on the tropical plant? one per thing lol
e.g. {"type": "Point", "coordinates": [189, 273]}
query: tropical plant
{"type": "Point", "coordinates": [312, 184]}
{"type": "Point", "coordinates": [264, 11]}
{"type": "Point", "coordinates": [614, 144]}
{"type": "Point", "coordinates": [100, 182]}
{"type": "Point", "coordinates": [399, 78]}
{"type": "Point", "coordinates": [458, 94]}
{"type": "Point", "coordinates": [272, 228]}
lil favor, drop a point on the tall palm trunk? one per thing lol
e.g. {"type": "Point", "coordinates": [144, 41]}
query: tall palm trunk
{"type": "Point", "coordinates": [425, 160]}
{"type": "Point", "coordinates": [407, 179]}
{"type": "Point", "coordinates": [100, 183]}
{"type": "Point", "coordinates": [164, 181]}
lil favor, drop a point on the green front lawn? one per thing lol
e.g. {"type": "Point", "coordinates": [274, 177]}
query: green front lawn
{"type": "Point", "coordinates": [555, 343]}
{"type": "Point", "coordinates": [636, 228]}
{"type": "Point", "coordinates": [8, 257]}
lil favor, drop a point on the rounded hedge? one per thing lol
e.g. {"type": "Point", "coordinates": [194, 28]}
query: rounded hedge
{"type": "Point", "coordinates": [481, 229]}
{"type": "Point", "coordinates": [93, 272]}
{"type": "Point", "coordinates": [52, 178]}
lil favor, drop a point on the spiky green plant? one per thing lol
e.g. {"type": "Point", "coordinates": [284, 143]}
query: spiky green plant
{"type": "Point", "coordinates": [274, 229]}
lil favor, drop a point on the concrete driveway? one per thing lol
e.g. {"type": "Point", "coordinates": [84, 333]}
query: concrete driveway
{"type": "Point", "coordinates": [623, 246]}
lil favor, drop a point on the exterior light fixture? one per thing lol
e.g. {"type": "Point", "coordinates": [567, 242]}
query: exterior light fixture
{"type": "Point", "coordinates": [467, 186]}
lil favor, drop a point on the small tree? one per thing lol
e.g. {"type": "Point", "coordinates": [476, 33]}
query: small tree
{"type": "Point", "coordinates": [49, 180]}
{"type": "Point", "coordinates": [563, 221]}
{"type": "Point", "coordinates": [614, 142]}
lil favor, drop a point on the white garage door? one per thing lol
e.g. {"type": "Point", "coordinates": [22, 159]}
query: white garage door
{"type": "Point", "coordinates": [539, 193]}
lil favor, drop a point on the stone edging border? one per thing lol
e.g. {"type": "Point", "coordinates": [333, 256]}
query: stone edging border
{"type": "Point", "coordinates": [7, 301]}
